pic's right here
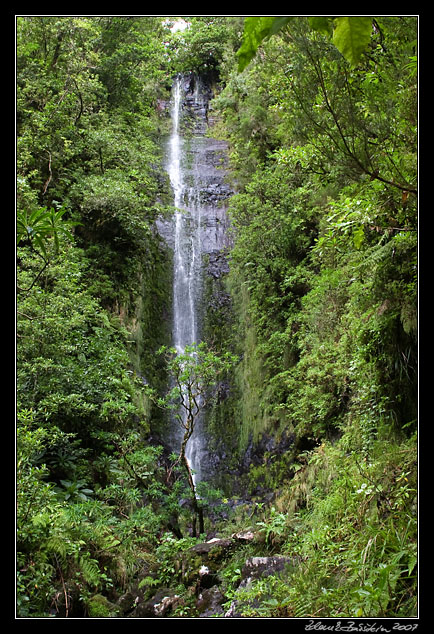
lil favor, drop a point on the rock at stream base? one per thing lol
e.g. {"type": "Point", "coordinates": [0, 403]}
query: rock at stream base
{"type": "Point", "coordinates": [244, 537]}
{"type": "Point", "coordinates": [213, 550]}
{"type": "Point", "coordinates": [258, 568]}
{"type": "Point", "coordinates": [161, 605]}
{"type": "Point", "coordinates": [199, 570]}
{"type": "Point", "coordinates": [210, 602]}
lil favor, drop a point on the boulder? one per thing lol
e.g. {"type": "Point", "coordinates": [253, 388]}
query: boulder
{"type": "Point", "coordinates": [210, 602]}
{"type": "Point", "coordinates": [260, 567]}
{"type": "Point", "coordinates": [214, 550]}
{"type": "Point", "coordinates": [244, 537]}
{"type": "Point", "coordinates": [161, 604]}
{"type": "Point", "coordinates": [127, 602]}
{"type": "Point", "coordinates": [199, 564]}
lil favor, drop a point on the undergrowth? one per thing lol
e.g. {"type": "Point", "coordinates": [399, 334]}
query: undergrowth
{"type": "Point", "coordinates": [351, 525]}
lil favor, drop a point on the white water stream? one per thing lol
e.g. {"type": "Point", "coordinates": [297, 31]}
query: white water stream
{"type": "Point", "coordinates": [199, 227]}
{"type": "Point", "coordinates": [187, 252]}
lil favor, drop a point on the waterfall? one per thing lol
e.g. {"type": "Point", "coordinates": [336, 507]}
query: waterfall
{"type": "Point", "coordinates": [187, 240]}
{"type": "Point", "coordinates": [187, 251]}
{"type": "Point", "coordinates": [199, 223]}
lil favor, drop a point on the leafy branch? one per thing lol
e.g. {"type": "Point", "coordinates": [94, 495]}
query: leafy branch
{"type": "Point", "coordinates": [350, 151]}
{"type": "Point", "coordinates": [195, 372]}
{"type": "Point", "coordinates": [350, 34]}
{"type": "Point", "coordinates": [37, 227]}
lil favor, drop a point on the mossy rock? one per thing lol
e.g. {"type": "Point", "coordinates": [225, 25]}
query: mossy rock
{"type": "Point", "coordinates": [99, 607]}
{"type": "Point", "coordinates": [201, 563]}
{"type": "Point", "coordinates": [188, 566]}
{"type": "Point", "coordinates": [213, 551]}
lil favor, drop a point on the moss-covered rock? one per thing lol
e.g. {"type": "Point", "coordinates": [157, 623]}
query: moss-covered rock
{"type": "Point", "coordinates": [163, 603]}
{"type": "Point", "coordinates": [213, 551]}
{"type": "Point", "coordinates": [99, 607]}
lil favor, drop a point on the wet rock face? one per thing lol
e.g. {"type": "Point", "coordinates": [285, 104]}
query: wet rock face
{"type": "Point", "coordinates": [217, 264]}
{"type": "Point", "coordinates": [198, 231]}
{"type": "Point", "coordinates": [195, 103]}
{"type": "Point", "coordinates": [161, 605]}
{"type": "Point", "coordinates": [258, 568]}
{"type": "Point", "coordinates": [203, 161]}
{"type": "Point", "coordinates": [255, 451]}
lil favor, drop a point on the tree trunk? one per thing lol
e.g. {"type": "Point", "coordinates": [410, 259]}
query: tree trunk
{"type": "Point", "coordinates": [197, 508]}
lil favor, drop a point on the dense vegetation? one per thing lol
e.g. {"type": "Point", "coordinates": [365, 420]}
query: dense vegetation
{"type": "Point", "coordinates": [322, 147]}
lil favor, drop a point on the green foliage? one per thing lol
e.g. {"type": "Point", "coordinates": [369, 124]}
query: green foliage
{"type": "Point", "coordinates": [40, 224]}
{"type": "Point", "coordinates": [195, 373]}
{"type": "Point", "coordinates": [350, 528]}
{"type": "Point", "coordinates": [168, 555]}
{"type": "Point", "coordinates": [205, 44]}
{"type": "Point", "coordinates": [274, 526]}
{"type": "Point", "coordinates": [90, 503]}
{"type": "Point", "coordinates": [74, 490]}
{"type": "Point", "coordinates": [195, 370]}
{"type": "Point", "coordinates": [73, 534]}
{"type": "Point", "coordinates": [322, 135]}
{"type": "Point", "coordinates": [337, 228]}
{"type": "Point", "coordinates": [256, 29]}
{"type": "Point", "coordinates": [361, 549]}
{"type": "Point", "coordinates": [133, 62]}
{"type": "Point", "coordinates": [323, 273]}
{"type": "Point", "coordinates": [73, 365]}
{"type": "Point", "coordinates": [99, 607]}
{"type": "Point", "coordinates": [351, 35]}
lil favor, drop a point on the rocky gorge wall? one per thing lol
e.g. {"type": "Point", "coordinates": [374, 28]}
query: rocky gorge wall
{"type": "Point", "coordinates": [197, 234]}
{"type": "Point", "coordinates": [235, 435]}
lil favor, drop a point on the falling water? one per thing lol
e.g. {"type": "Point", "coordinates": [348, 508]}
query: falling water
{"type": "Point", "coordinates": [199, 221]}
{"type": "Point", "coordinates": [187, 252]}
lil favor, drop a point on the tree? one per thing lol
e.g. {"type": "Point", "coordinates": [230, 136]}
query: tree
{"type": "Point", "coordinates": [195, 372]}
{"type": "Point", "coordinates": [350, 34]}
{"type": "Point", "coordinates": [133, 63]}
{"type": "Point", "coordinates": [350, 88]}
{"type": "Point", "coordinates": [202, 46]}
{"type": "Point", "coordinates": [36, 227]}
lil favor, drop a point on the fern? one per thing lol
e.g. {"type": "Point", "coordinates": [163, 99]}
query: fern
{"type": "Point", "coordinates": [89, 569]}
{"type": "Point", "coordinates": [302, 607]}
{"type": "Point", "coordinates": [57, 546]}
{"type": "Point", "coordinates": [375, 256]}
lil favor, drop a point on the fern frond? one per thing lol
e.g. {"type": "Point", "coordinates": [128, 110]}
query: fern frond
{"type": "Point", "coordinates": [301, 607]}
{"type": "Point", "coordinates": [89, 568]}
{"type": "Point", "coordinates": [57, 546]}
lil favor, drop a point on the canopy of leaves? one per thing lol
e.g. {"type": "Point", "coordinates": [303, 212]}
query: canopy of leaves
{"type": "Point", "coordinates": [350, 35]}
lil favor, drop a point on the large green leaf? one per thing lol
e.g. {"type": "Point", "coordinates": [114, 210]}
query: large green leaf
{"type": "Point", "coordinates": [257, 29]}
{"type": "Point", "coordinates": [351, 36]}
{"type": "Point", "coordinates": [322, 24]}
{"type": "Point", "coordinates": [279, 22]}
{"type": "Point", "coordinates": [40, 224]}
